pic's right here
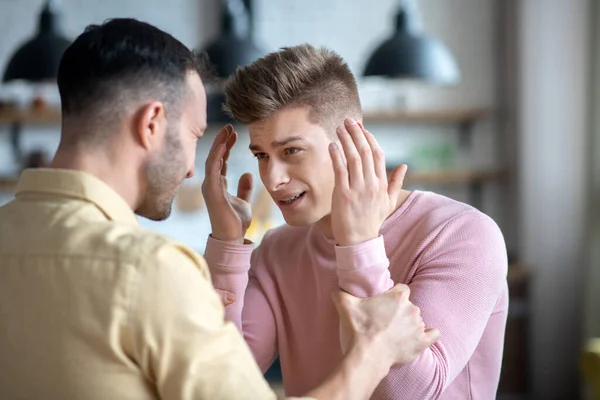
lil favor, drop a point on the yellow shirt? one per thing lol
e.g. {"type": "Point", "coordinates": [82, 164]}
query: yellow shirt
{"type": "Point", "coordinates": [92, 306]}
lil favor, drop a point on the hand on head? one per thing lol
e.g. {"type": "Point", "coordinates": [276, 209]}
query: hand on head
{"type": "Point", "coordinates": [363, 197]}
{"type": "Point", "coordinates": [230, 216]}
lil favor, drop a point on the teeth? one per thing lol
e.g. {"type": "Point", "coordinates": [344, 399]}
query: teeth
{"type": "Point", "coordinates": [288, 201]}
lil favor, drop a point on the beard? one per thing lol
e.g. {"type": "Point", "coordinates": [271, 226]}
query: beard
{"type": "Point", "coordinates": [162, 175]}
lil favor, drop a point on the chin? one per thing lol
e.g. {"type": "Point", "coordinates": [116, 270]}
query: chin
{"type": "Point", "coordinates": [155, 213]}
{"type": "Point", "coordinates": [300, 220]}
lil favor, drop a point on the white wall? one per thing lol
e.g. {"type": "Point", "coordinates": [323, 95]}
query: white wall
{"type": "Point", "coordinates": [554, 138]}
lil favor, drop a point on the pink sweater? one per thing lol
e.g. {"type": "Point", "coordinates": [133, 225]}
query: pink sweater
{"type": "Point", "coordinates": [452, 256]}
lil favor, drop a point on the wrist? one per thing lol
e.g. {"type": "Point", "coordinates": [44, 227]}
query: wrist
{"type": "Point", "coordinates": [354, 240]}
{"type": "Point", "coordinates": [375, 359]}
{"type": "Point", "coordinates": [224, 239]}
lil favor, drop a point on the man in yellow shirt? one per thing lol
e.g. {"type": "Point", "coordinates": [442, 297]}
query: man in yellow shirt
{"type": "Point", "coordinates": [94, 307]}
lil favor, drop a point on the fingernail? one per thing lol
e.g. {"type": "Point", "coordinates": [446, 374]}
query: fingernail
{"type": "Point", "coordinates": [350, 121]}
{"type": "Point", "coordinates": [229, 297]}
{"type": "Point", "coordinates": [341, 130]}
{"type": "Point", "coordinates": [333, 146]}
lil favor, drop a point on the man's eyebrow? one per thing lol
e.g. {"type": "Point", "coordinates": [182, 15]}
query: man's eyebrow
{"type": "Point", "coordinates": [277, 143]}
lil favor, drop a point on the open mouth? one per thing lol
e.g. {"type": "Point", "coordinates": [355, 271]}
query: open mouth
{"type": "Point", "coordinates": [292, 199]}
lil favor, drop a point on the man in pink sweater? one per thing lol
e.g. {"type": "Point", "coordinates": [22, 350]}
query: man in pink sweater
{"type": "Point", "coordinates": [349, 227]}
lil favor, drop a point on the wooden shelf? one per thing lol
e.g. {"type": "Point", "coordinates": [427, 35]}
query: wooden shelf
{"type": "Point", "coordinates": [42, 116]}
{"type": "Point", "coordinates": [453, 177]}
{"type": "Point", "coordinates": [435, 116]}
{"type": "Point", "coordinates": [7, 184]}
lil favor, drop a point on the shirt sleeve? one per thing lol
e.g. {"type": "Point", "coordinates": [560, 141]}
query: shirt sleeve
{"type": "Point", "coordinates": [233, 269]}
{"type": "Point", "coordinates": [179, 337]}
{"type": "Point", "coordinates": [363, 269]}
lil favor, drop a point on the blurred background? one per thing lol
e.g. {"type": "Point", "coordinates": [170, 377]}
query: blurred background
{"type": "Point", "coordinates": [490, 102]}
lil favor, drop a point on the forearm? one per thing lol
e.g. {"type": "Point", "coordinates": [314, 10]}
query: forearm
{"type": "Point", "coordinates": [356, 377]}
{"type": "Point", "coordinates": [229, 265]}
{"type": "Point", "coordinates": [363, 269]}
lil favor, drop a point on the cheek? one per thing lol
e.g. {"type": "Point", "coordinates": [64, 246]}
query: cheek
{"type": "Point", "coordinates": [262, 169]}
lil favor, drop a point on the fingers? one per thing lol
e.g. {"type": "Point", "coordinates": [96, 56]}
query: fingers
{"type": "Point", "coordinates": [396, 181]}
{"type": "Point", "coordinates": [227, 297]}
{"type": "Point", "coordinates": [363, 149]}
{"type": "Point", "coordinates": [378, 156]}
{"type": "Point", "coordinates": [229, 143]}
{"type": "Point", "coordinates": [245, 186]}
{"type": "Point", "coordinates": [343, 302]}
{"type": "Point", "coordinates": [213, 163]}
{"type": "Point", "coordinates": [399, 287]}
{"type": "Point", "coordinates": [339, 168]}
{"type": "Point", "coordinates": [219, 140]}
{"type": "Point", "coordinates": [431, 335]}
{"type": "Point", "coordinates": [353, 160]}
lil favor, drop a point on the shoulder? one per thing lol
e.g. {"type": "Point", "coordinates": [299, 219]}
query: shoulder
{"type": "Point", "coordinates": [429, 212]}
{"type": "Point", "coordinates": [146, 249]}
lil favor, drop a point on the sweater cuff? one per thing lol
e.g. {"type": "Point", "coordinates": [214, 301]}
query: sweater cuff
{"type": "Point", "coordinates": [234, 258]}
{"type": "Point", "coordinates": [362, 255]}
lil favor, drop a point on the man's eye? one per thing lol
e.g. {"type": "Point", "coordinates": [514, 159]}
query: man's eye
{"type": "Point", "coordinates": [260, 155]}
{"type": "Point", "coordinates": [291, 150]}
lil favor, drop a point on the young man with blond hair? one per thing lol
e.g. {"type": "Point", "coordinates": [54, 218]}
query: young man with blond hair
{"type": "Point", "coordinates": [347, 227]}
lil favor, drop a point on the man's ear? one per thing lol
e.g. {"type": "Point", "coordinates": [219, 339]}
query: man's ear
{"type": "Point", "coordinates": [150, 124]}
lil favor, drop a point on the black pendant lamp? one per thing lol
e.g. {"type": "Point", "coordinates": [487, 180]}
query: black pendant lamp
{"type": "Point", "coordinates": [37, 59]}
{"type": "Point", "coordinates": [410, 54]}
{"type": "Point", "coordinates": [234, 47]}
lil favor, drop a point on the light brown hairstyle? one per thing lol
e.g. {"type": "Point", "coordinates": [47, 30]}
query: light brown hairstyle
{"type": "Point", "coordinates": [294, 76]}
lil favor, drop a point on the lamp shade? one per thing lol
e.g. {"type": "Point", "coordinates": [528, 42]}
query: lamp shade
{"type": "Point", "coordinates": [410, 54]}
{"type": "Point", "coordinates": [37, 59]}
{"type": "Point", "coordinates": [229, 52]}
{"type": "Point", "coordinates": [234, 46]}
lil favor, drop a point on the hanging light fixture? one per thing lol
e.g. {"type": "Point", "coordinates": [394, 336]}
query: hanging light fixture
{"type": "Point", "coordinates": [233, 48]}
{"type": "Point", "coordinates": [37, 59]}
{"type": "Point", "coordinates": [410, 54]}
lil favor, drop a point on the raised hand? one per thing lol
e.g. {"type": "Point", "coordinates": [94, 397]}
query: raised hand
{"type": "Point", "coordinates": [363, 197]}
{"type": "Point", "coordinates": [230, 216]}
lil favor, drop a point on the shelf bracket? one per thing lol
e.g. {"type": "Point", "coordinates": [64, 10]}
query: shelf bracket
{"type": "Point", "coordinates": [16, 143]}
{"type": "Point", "coordinates": [465, 130]}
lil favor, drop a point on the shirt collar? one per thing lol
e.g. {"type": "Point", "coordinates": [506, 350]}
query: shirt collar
{"type": "Point", "coordinates": [76, 184]}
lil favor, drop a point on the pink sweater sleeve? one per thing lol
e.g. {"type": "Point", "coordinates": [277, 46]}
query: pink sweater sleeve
{"type": "Point", "coordinates": [230, 268]}
{"type": "Point", "coordinates": [456, 285]}
{"type": "Point", "coordinates": [362, 269]}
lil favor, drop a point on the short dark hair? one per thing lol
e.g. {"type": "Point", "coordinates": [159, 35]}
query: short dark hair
{"type": "Point", "coordinates": [123, 59]}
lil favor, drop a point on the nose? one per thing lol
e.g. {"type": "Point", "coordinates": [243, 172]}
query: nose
{"type": "Point", "coordinates": [274, 175]}
{"type": "Point", "coordinates": [190, 173]}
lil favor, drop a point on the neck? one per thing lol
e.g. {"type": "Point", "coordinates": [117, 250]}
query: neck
{"type": "Point", "coordinates": [104, 165]}
{"type": "Point", "coordinates": [324, 224]}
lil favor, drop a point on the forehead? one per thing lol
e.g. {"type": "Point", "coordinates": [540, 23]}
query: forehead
{"type": "Point", "coordinates": [284, 123]}
{"type": "Point", "coordinates": [194, 105]}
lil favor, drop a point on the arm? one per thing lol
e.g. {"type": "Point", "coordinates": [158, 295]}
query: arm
{"type": "Point", "coordinates": [462, 274]}
{"type": "Point", "coordinates": [362, 269]}
{"type": "Point", "coordinates": [230, 268]}
{"type": "Point", "coordinates": [177, 337]}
